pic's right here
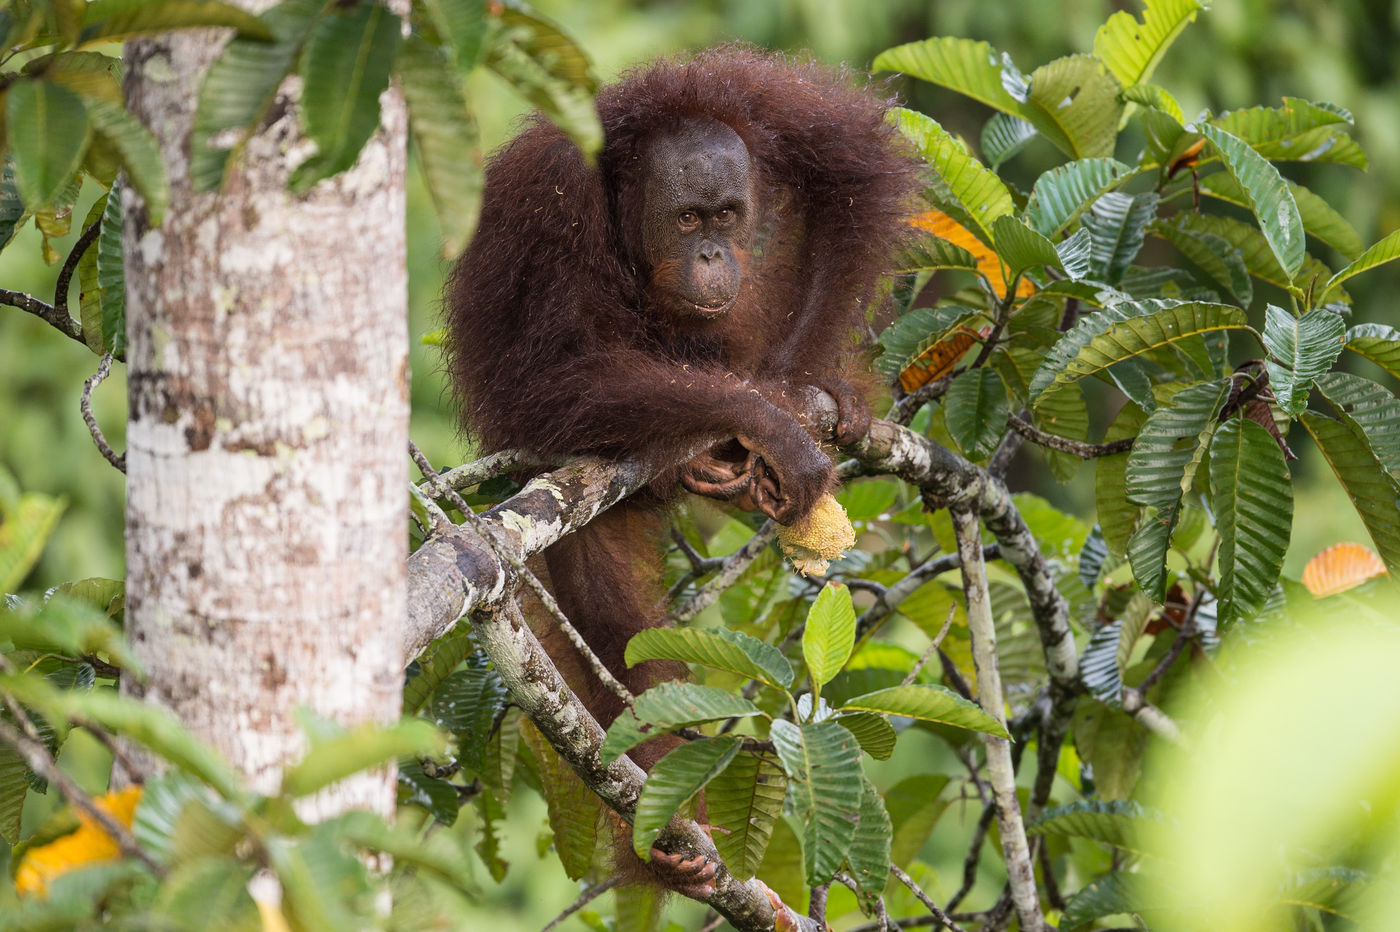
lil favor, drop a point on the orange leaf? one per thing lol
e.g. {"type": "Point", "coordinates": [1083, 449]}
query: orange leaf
{"type": "Point", "coordinates": [938, 360]}
{"type": "Point", "coordinates": [988, 263]}
{"type": "Point", "coordinates": [1339, 568]}
{"type": "Point", "coordinates": [88, 845]}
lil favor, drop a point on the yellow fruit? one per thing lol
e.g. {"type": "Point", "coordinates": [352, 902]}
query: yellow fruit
{"type": "Point", "coordinates": [821, 537]}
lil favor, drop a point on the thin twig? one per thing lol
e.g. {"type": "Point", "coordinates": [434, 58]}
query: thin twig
{"type": "Point", "coordinates": [472, 474]}
{"type": "Point", "coordinates": [733, 568]}
{"type": "Point", "coordinates": [924, 898]}
{"type": "Point", "coordinates": [588, 896]}
{"type": "Point", "coordinates": [954, 676]}
{"type": "Point", "coordinates": [896, 593]}
{"type": "Point", "coordinates": [932, 647]}
{"type": "Point", "coordinates": [70, 265]}
{"type": "Point", "coordinates": [524, 574]}
{"type": "Point", "coordinates": [91, 382]}
{"type": "Point", "coordinates": [1077, 448]}
{"type": "Point", "coordinates": [41, 762]}
{"type": "Point", "coordinates": [45, 312]}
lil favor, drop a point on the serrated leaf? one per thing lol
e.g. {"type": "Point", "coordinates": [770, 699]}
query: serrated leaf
{"type": "Point", "coordinates": [1064, 192]}
{"type": "Point", "coordinates": [822, 761]}
{"type": "Point", "coordinates": [47, 129]}
{"type": "Point", "coordinates": [345, 67]}
{"type": "Point", "coordinates": [1215, 255]}
{"type": "Point", "coordinates": [573, 807]}
{"type": "Point", "coordinates": [1368, 407]}
{"type": "Point", "coordinates": [675, 779]}
{"type": "Point", "coordinates": [1299, 131]}
{"type": "Point", "coordinates": [1379, 254]}
{"type": "Point", "coordinates": [876, 736]}
{"type": "Point", "coordinates": [666, 707]}
{"type": "Point", "coordinates": [928, 703]}
{"type": "Point", "coordinates": [116, 20]}
{"type": "Point", "coordinates": [719, 648]}
{"type": "Point", "coordinates": [1129, 329]}
{"type": "Point", "coordinates": [111, 277]}
{"type": "Point", "coordinates": [1113, 822]}
{"type": "Point", "coordinates": [1252, 494]}
{"type": "Point", "coordinates": [1117, 224]}
{"type": "Point", "coordinates": [979, 192]}
{"type": "Point", "coordinates": [830, 633]}
{"type": "Point", "coordinates": [970, 68]}
{"type": "Point", "coordinates": [467, 704]}
{"type": "Point", "coordinates": [1162, 463]}
{"type": "Point", "coordinates": [1300, 350]}
{"type": "Point", "coordinates": [445, 133]}
{"type": "Point", "coordinates": [240, 87]}
{"type": "Point", "coordinates": [869, 857]}
{"type": "Point", "coordinates": [746, 801]}
{"type": "Point", "coordinates": [1320, 219]}
{"type": "Point", "coordinates": [1372, 489]}
{"type": "Point", "coordinates": [1003, 136]}
{"type": "Point", "coordinates": [1377, 342]}
{"type": "Point", "coordinates": [1074, 103]}
{"type": "Point", "coordinates": [139, 153]}
{"type": "Point", "coordinates": [976, 411]}
{"type": "Point", "coordinates": [1269, 198]}
{"type": "Point", "coordinates": [1131, 49]}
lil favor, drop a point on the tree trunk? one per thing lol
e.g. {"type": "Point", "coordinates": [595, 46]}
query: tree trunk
{"type": "Point", "coordinates": [268, 353]}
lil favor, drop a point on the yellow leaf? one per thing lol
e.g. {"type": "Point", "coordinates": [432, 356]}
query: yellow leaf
{"type": "Point", "coordinates": [988, 263]}
{"type": "Point", "coordinates": [88, 845]}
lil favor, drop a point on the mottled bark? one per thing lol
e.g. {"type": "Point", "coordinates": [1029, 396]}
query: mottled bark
{"type": "Point", "coordinates": [268, 355]}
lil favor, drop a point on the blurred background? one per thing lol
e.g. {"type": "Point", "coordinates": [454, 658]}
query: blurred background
{"type": "Point", "coordinates": [1241, 53]}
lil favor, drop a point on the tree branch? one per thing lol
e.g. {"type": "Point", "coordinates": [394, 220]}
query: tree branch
{"type": "Point", "coordinates": [1077, 448]}
{"type": "Point", "coordinates": [60, 321]}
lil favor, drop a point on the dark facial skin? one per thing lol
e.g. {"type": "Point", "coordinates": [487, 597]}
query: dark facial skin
{"type": "Point", "coordinates": [698, 218]}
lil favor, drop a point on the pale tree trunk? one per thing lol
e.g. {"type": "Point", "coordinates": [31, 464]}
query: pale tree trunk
{"type": "Point", "coordinates": [266, 525]}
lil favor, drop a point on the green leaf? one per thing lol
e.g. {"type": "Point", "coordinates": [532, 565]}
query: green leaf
{"type": "Point", "coordinates": [573, 807]}
{"type": "Point", "coordinates": [446, 136]}
{"type": "Point", "coordinates": [1163, 461]}
{"type": "Point", "coordinates": [117, 20]}
{"type": "Point", "coordinates": [830, 633]}
{"type": "Point", "coordinates": [876, 735]}
{"type": "Point", "coordinates": [1022, 248]}
{"type": "Point", "coordinates": [467, 704]}
{"type": "Point", "coordinates": [1156, 98]}
{"type": "Point", "coordinates": [1130, 329]}
{"type": "Point", "coordinates": [1252, 494]}
{"type": "Point", "coordinates": [240, 87]}
{"type": "Point", "coordinates": [89, 292]}
{"type": "Point", "coordinates": [869, 499]}
{"type": "Point", "coordinates": [359, 749]}
{"type": "Point", "coordinates": [745, 801]}
{"type": "Point", "coordinates": [1147, 550]}
{"type": "Point", "coordinates": [1074, 103]}
{"type": "Point", "coordinates": [1299, 131]}
{"type": "Point", "coordinates": [12, 210]}
{"type": "Point", "coordinates": [196, 892]}
{"type": "Point", "coordinates": [912, 335]}
{"type": "Point", "coordinates": [1064, 192]}
{"type": "Point", "coordinates": [675, 779]}
{"type": "Point", "coordinates": [25, 527]}
{"type": "Point", "coordinates": [1379, 254]}
{"type": "Point", "coordinates": [1215, 255]}
{"type": "Point", "coordinates": [978, 191]}
{"type": "Point", "coordinates": [1300, 350]}
{"type": "Point", "coordinates": [928, 703]}
{"type": "Point", "coordinates": [551, 72]}
{"type": "Point", "coordinates": [1372, 489]}
{"type": "Point", "coordinates": [1366, 406]}
{"type": "Point", "coordinates": [1377, 342]}
{"type": "Point", "coordinates": [1116, 822]}
{"type": "Point", "coordinates": [1320, 219]}
{"type": "Point", "coordinates": [1117, 224]}
{"type": "Point", "coordinates": [434, 665]}
{"type": "Point", "coordinates": [931, 253]}
{"type": "Point", "coordinates": [346, 66]}
{"type": "Point", "coordinates": [822, 761]}
{"type": "Point", "coordinates": [666, 707]}
{"type": "Point", "coordinates": [438, 797]}
{"type": "Point", "coordinates": [962, 65]}
{"type": "Point", "coordinates": [1003, 136]}
{"type": "Point", "coordinates": [1063, 413]}
{"type": "Point", "coordinates": [178, 818]}
{"type": "Point", "coordinates": [1092, 558]}
{"type": "Point", "coordinates": [1099, 669]}
{"type": "Point", "coordinates": [140, 155]}
{"type": "Point", "coordinates": [111, 277]}
{"type": "Point", "coordinates": [1337, 890]}
{"type": "Point", "coordinates": [1131, 49]}
{"type": "Point", "coordinates": [1254, 248]}
{"type": "Point", "coordinates": [1110, 895]}
{"type": "Point", "coordinates": [47, 129]}
{"type": "Point", "coordinates": [1269, 198]}
{"type": "Point", "coordinates": [869, 857]}
{"type": "Point", "coordinates": [719, 648]}
{"type": "Point", "coordinates": [433, 854]}
{"type": "Point", "coordinates": [67, 626]}
{"type": "Point", "coordinates": [14, 786]}
{"type": "Point", "coordinates": [914, 806]}
{"type": "Point", "coordinates": [976, 411]}
{"type": "Point", "coordinates": [462, 26]}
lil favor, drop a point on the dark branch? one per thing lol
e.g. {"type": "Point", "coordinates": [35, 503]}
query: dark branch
{"type": "Point", "coordinates": [1077, 448]}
